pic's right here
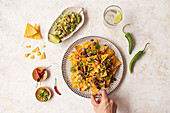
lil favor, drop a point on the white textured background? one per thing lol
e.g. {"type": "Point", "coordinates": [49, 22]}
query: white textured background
{"type": "Point", "coordinates": [145, 91]}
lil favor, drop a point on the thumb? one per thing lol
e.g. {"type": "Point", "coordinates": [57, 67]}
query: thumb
{"type": "Point", "coordinates": [93, 101]}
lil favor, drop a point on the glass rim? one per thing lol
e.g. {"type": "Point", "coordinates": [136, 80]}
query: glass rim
{"type": "Point", "coordinates": [105, 14]}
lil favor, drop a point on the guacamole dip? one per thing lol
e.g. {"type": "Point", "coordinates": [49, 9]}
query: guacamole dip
{"type": "Point", "coordinates": [67, 24]}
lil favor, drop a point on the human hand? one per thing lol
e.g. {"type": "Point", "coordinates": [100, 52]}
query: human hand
{"type": "Point", "coordinates": [103, 104]}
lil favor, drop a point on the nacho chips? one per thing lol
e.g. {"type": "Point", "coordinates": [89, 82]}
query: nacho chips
{"type": "Point", "coordinates": [92, 66]}
{"type": "Point", "coordinates": [32, 32]}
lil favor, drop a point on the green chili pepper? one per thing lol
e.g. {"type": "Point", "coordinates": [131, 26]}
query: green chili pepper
{"type": "Point", "coordinates": [81, 64]}
{"type": "Point", "coordinates": [129, 38]}
{"type": "Point", "coordinates": [135, 58]}
{"type": "Point", "coordinates": [72, 69]}
{"type": "Point", "coordinates": [108, 59]}
{"type": "Point", "coordinates": [90, 60]}
{"type": "Point", "coordinates": [99, 74]}
{"type": "Point", "coordinates": [102, 86]}
{"type": "Point", "coordinates": [107, 78]}
{"type": "Point", "coordinates": [103, 67]}
{"type": "Point", "coordinates": [94, 52]}
{"type": "Point", "coordinates": [90, 68]}
{"type": "Point", "coordinates": [97, 46]}
{"type": "Point", "coordinates": [88, 50]}
{"type": "Point", "coordinates": [88, 84]}
{"type": "Point", "coordinates": [79, 80]}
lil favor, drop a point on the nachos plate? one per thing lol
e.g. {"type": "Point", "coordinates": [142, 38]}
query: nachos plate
{"type": "Point", "coordinates": [90, 64]}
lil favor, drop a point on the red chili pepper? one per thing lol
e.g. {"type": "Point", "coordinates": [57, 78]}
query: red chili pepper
{"type": "Point", "coordinates": [41, 74]}
{"type": "Point", "coordinates": [38, 74]}
{"type": "Point", "coordinates": [55, 88]}
{"type": "Point", "coordinates": [44, 69]}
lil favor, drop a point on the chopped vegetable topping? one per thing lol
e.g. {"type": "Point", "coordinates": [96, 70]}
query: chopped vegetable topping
{"type": "Point", "coordinates": [81, 64]}
{"type": "Point", "coordinates": [103, 67]}
{"type": "Point", "coordinates": [79, 80]}
{"type": "Point", "coordinates": [94, 52]}
{"type": "Point", "coordinates": [88, 50]}
{"type": "Point", "coordinates": [88, 84]}
{"type": "Point", "coordinates": [100, 73]}
{"type": "Point", "coordinates": [72, 69]}
{"type": "Point", "coordinates": [108, 60]}
{"type": "Point", "coordinates": [97, 46]}
{"type": "Point", "coordinates": [90, 68]}
{"type": "Point", "coordinates": [107, 78]}
{"type": "Point", "coordinates": [91, 60]}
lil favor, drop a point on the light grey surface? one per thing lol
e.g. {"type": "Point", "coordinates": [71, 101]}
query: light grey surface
{"type": "Point", "coordinates": [145, 91]}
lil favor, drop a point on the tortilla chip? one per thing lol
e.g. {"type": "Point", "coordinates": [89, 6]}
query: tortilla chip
{"type": "Point", "coordinates": [30, 30]}
{"type": "Point", "coordinates": [94, 89]}
{"type": "Point", "coordinates": [78, 48]}
{"type": "Point", "coordinates": [32, 57]}
{"type": "Point", "coordinates": [103, 48]}
{"type": "Point", "coordinates": [26, 55]}
{"type": "Point", "coordinates": [104, 74]}
{"type": "Point", "coordinates": [115, 61]}
{"type": "Point", "coordinates": [109, 52]}
{"type": "Point", "coordinates": [43, 56]}
{"type": "Point", "coordinates": [37, 35]}
{"type": "Point", "coordinates": [38, 53]}
{"type": "Point", "coordinates": [103, 57]}
{"type": "Point", "coordinates": [35, 50]}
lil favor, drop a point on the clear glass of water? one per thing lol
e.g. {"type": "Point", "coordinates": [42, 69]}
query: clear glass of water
{"type": "Point", "coordinates": [113, 15]}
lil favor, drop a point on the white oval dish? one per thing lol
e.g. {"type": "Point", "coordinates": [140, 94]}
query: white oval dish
{"type": "Point", "coordinates": [69, 9]}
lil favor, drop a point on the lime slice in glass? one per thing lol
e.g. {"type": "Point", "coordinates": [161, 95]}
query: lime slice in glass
{"type": "Point", "coordinates": [54, 39]}
{"type": "Point", "coordinates": [118, 17]}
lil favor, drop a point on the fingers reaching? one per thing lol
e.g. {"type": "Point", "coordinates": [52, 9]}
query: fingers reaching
{"type": "Point", "coordinates": [93, 101]}
{"type": "Point", "coordinates": [103, 93]}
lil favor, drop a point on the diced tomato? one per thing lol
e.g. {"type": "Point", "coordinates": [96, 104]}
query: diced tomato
{"type": "Point", "coordinates": [76, 56]}
{"type": "Point", "coordinates": [75, 19]}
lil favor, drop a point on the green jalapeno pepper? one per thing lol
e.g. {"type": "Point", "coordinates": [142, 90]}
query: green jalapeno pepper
{"type": "Point", "coordinates": [129, 38]}
{"type": "Point", "coordinates": [135, 58]}
{"type": "Point", "coordinates": [79, 80]}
